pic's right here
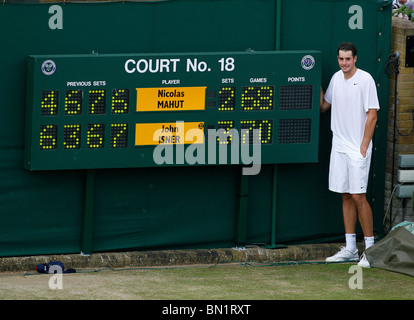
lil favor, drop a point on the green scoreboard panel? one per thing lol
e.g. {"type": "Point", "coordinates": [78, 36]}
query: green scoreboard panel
{"type": "Point", "coordinates": [140, 110]}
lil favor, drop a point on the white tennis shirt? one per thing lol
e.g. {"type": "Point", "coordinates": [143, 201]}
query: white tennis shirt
{"type": "Point", "coordinates": [350, 101]}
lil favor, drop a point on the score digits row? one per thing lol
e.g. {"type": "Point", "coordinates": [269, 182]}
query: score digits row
{"type": "Point", "coordinates": [252, 98]}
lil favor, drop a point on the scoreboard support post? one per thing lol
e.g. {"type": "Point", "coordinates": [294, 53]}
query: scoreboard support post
{"type": "Point", "coordinates": [274, 206]}
{"type": "Point", "coordinates": [87, 214]}
{"type": "Point", "coordinates": [241, 218]}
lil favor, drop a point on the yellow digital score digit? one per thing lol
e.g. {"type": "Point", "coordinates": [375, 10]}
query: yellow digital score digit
{"type": "Point", "coordinates": [119, 135]}
{"type": "Point", "coordinates": [48, 137]}
{"type": "Point", "coordinates": [73, 102]}
{"type": "Point", "coordinates": [97, 101]}
{"type": "Point", "coordinates": [265, 130]}
{"type": "Point", "coordinates": [120, 101]}
{"type": "Point", "coordinates": [49, 103]}
{"type": "Point", "coordinates": [226, 99]}
{"type": "Point", "coordinates": [71, 136]}
{"type": "Point", "coordinates": [95, 136]}
{"type": "Point", "coordinates": [258, 98]}
{"type": "Point", "coordinates": [226, 125]}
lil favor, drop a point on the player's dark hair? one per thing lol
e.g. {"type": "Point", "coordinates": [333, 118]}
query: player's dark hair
{"type": "Point", "coordinates": [347, 46]}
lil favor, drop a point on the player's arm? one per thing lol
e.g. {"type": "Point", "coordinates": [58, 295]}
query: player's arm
{"type": "Point", "coordinates": [369, 130]}
{"type": "Point", "coordinates": [324, 105]}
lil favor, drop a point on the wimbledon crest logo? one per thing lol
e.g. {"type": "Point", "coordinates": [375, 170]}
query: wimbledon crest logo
{"type": "Point", "coordinates": [308, 62]}
{"type": "Point", "coordinates": [48, 67]}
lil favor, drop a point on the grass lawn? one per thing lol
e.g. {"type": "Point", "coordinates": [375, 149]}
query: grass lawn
{"type": "Point", "coordinates": [221, 282]}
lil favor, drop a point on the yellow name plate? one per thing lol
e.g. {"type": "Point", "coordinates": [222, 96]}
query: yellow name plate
{"type": "Point", "coordinates": [169, 133]}
{"type": "Point", "coordinates": [171, 99]}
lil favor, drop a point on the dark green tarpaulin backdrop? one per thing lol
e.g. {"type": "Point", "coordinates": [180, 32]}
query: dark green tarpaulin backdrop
{"type": "Point", "coordinates": [189, 207]}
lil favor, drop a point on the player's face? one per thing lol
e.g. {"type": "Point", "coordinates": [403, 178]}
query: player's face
{"type": "Point", "coordinates": [346, 62]}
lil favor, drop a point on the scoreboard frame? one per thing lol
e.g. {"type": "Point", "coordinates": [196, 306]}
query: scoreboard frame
{"type": "Point", "coordinates": [94, 111]}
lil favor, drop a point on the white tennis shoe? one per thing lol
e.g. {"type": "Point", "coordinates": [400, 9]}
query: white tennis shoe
{"type": "Point", "coordinates": [343, 255]}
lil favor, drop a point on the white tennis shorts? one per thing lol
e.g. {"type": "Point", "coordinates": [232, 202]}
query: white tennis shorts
{"type": "Point", "coordinates": [348, 173]}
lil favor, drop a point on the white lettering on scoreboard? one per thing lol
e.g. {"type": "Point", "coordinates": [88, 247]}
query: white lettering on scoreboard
{"type": "Point", "coordinates": [163, 65]}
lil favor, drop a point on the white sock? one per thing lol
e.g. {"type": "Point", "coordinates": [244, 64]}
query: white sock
{"type": "Point", "coordinates": [350, 239]}
{"type": "Point", "coordinates": [369, 241]}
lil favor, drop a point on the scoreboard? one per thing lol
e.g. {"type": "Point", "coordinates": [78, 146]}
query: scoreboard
{"type": "Point", "coordinates": [140, 110]}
